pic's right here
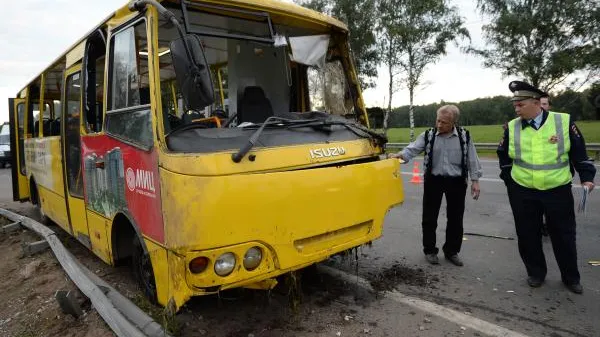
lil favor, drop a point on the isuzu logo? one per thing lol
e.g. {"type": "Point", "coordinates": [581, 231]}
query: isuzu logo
{"type": "Point", "coordinates": [327, 152]}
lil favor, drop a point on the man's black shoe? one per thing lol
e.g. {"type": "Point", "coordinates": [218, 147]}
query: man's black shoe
{"type": "Point", "coordinates": [455, 260]}
{"type": "Point", "coordinates": [432, 258]}
{"type": "Point", "coordinates": [534, 282]}
{"type": "Point", "coordinates": [575, 287]}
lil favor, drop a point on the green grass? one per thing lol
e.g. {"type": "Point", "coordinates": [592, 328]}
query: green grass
{"type": "Point", "coordinates": [493, 133]}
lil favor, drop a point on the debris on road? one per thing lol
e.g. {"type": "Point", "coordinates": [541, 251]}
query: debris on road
{"type": "Point", "coordinates": [489, 236]}
{"type": "Point", "coordinates": [594, 263]}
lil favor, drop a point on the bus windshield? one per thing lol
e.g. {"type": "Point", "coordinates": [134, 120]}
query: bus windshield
{"type": "Point", "coordinates": [258, 70]}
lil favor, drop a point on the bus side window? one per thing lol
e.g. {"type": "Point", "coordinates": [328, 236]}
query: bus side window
{"type": "Point", "coordinates": [128, 114]}
{"type": "Point", "coordinates": [33, 110]}
{"type": "Point", "coordinates": [129, 82]}
{"type": "Point", "coordinates": [93, 95]}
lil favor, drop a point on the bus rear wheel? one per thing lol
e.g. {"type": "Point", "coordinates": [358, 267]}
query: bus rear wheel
{"type": "Point", "coordinates": [35, 200]}
{"type": "Point", "coordinates": [142, 271]}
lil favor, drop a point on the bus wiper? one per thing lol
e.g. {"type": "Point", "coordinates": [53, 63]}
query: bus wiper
{"type": "Point", "coordinates": [355, 128]}
{"type": "Point", "coordinates": [271, 121]}
{"type": "Point", "coordinates": [319, 124]}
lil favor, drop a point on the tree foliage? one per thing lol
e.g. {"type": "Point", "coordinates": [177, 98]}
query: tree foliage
{"type": "Point", "coordinates": [497, 110]}
{"type": "Point", "coordinates": [421, 31]}
{"type": "Point", "coordinates": [359, 16]}
{"type": "Point", "coordinates": [542, 41]}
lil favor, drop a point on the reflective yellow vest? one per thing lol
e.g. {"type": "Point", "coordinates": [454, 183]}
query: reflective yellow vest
{"type": "Point", "coordinates": [541, 157]}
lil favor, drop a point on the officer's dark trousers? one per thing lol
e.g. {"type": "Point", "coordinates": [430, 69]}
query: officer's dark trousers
{"type": "Point", "coordinates": [528, 207]}
{"type": "Point", "coordinates": [455, 189]}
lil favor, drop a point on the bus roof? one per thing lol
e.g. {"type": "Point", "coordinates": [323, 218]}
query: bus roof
{"type": "Point", "coordinates": [285, 8]}
{"type": "Point", "coordinates": [277, 8]}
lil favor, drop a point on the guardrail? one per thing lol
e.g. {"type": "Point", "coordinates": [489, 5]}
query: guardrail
{"type": "Point", "coordinates": [591, 147]}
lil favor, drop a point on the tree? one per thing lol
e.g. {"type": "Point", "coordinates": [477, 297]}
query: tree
{"type": "Point", "coordinates": [359, 16]}
{"type": "Point", "coordinates": [422, 29]}
{"type": "Point", "coordinates": [542, 41]}
{"type": "Point", "coordinates": [390, 50]}
{"type": "Point", "coordinates": [593, 96]}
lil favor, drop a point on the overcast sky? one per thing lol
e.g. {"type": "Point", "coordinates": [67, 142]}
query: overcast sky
{"type": "Point", "coordinates": [33, 33]}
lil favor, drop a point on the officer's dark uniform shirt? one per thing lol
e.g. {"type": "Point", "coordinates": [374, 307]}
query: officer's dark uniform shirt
{"type": "Point", "coordinates": [578, 157]}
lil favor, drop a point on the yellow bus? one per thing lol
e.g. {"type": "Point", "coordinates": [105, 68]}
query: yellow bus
{"type": "Point", "coordinates": [211, 144]}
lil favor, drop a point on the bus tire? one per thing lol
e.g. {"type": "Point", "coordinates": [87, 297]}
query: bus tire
{"type": "Point", "coordinates": [142, 271]}
{"type": "Point", "coordinates": [35, 200]}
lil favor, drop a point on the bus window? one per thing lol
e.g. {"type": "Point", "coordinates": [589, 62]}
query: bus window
{"type": "Point", "coordinates": [128, 115]}
{"type": "Point", "coordinates": [21, 127]}
{"type": "Point", "coordinates": [93, 95]}
{"type": "Point", "coordinates": [52, 94]}
{"type": "Point", "coordinates": [33, 110]}
{"type": "Point", "coordinates": [72, 142]}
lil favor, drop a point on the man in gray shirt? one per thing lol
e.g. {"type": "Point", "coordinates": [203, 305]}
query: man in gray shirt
{"type": "Point", "coordinates": [450, 157]}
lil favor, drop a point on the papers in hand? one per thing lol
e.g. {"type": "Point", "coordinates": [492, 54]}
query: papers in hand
{"type": "Point", "coordinates": [585, 192]}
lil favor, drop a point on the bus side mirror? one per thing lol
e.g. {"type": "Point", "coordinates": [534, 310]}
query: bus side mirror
{"type": "Point", "coordinates": [193, 72]}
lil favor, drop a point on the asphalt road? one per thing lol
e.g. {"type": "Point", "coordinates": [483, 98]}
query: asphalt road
{"type": "Point", "coordinates": [491, 286]}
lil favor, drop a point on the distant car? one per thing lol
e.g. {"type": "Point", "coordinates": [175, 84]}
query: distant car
{"type": "Point", "coordinates": [5, 156]}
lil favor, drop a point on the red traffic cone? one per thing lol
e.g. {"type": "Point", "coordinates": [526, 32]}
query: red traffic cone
{"type": "Point", "coordinates": [416, 176]}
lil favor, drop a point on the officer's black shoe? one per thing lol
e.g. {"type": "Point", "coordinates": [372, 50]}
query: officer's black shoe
{"type": "Point", "coordinates": [534, 282]}
{"type": "Point", "coordinates": [455, 260]}
{"type": "Point", "coordinates": [575, 287]}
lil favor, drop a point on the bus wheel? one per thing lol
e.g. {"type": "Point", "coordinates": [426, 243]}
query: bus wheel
{"type": "Point", "coordinates": [35, 199]}
{"type": "Point", "coordinates": [142, 271]}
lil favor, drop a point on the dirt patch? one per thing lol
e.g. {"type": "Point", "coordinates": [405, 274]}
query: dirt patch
{"type": "Point", "coordinates": [28, 286]}
{"type": "Point", "coordinates": [389, 278]}
{"type": "Point", "coordinates": [304, 307]}
{"type": "Point", "coordinates": [311, 305]}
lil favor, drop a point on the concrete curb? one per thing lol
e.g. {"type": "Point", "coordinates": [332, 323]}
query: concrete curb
{"type": "Point", "coordinates": [123, 317]}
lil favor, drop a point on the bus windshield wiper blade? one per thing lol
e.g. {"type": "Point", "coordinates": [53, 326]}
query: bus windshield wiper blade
{"type": "Point", "coordinates": [271, 121]}
{"type": "Point", "coordinates": [355, 128]}
{"type": "Point", "coordinates": [320, 124]}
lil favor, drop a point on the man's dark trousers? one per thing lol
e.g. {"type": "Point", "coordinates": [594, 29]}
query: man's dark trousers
{"type": "Point", "coordinates": [558, 205]}
{"type": "Point", "coordinates": [455, 189]}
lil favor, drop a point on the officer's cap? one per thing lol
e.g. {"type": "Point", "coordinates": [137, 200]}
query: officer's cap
{"type": "Point", "coordinates": [522, 90]}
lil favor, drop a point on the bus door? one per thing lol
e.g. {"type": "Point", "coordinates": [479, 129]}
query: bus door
{"type": "Point", "coordinates": [71, 124]}
{"type": "Point", "coordinates": [20, 184]}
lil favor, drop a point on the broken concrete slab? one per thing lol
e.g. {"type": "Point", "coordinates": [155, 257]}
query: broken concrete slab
{"type": "Point", "coordinates": [33, 248]}
{"type": "Point", "coordinates": [13, 227]}
{"type": "Point", "coordinates": [67, 300]}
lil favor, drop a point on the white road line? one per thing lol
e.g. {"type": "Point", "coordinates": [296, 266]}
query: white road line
{"type": "Point", "coordinates": [448, 314]}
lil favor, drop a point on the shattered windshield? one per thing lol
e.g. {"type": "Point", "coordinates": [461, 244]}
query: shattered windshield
{"type": "Point", "coordinates": [258, 70]}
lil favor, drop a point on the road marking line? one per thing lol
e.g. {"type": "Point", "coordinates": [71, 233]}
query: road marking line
{"type": "Point", "coordinates": [454, 316]}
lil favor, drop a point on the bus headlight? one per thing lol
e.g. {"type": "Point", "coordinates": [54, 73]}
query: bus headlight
{"type": "Point", "coordinates": [224, 264]}
{"type": "Point", "coordinates": [252, 258]}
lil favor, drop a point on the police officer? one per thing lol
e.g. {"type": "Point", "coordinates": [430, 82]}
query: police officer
{"type": "Point", "coordinates": [536, 154]}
